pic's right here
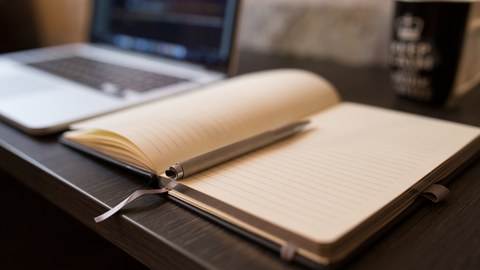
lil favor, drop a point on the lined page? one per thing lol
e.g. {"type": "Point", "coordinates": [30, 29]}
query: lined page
{"type": "Point", "coordinates": [353, 161]}
{"type": "Point", "coordinates": [172, 130]}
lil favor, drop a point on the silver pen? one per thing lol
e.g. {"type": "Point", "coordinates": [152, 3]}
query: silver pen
{"type": "Point", "coordinates": [202, 162]}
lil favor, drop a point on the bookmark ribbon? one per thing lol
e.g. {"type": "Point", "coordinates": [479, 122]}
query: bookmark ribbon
{"type": "Point", "coordinates": [135, 195]}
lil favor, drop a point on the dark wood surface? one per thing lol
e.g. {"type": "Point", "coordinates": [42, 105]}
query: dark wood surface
{"type": "Point", "coordinates": [161, 234]}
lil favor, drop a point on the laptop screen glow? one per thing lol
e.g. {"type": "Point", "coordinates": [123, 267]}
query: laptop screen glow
{"type": "Point", "coordinates": [197, 31]}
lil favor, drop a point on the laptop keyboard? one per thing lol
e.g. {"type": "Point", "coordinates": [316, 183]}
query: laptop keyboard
{"type": "Point", "coordinates": [109, 78]}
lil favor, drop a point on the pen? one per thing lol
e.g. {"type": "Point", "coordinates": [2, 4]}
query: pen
{"type": "Point", "coordinates": [202, 162]}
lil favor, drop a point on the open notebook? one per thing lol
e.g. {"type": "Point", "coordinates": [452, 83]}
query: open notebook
{"type": "Point", "coordinates": [321, 193]}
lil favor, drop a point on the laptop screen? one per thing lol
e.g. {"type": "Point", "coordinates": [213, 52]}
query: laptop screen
{"type": "Point", "coordinates": [199, 31]}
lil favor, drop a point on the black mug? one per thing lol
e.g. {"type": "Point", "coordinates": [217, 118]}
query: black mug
{"type": "Point", "coordinates": [434, 51]}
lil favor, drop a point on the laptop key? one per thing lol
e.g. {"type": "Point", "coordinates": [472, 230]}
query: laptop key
{"type": "Point", "coordinates": [108, 78]}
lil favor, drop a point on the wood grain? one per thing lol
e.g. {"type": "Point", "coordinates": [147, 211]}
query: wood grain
{"type": "Point", "coordinates": [161, 234]}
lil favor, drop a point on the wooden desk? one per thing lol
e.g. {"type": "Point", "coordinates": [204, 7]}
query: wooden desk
{"type": "Point", "coordinates": [163, 235]}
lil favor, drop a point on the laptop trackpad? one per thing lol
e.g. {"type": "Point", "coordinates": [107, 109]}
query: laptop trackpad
{"type": "Point", "coordinates": [36, 103]}
{"type": "Point", "coordinates": [14, 85]}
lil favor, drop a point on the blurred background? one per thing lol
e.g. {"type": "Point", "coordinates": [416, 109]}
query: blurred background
{"type": "Point", "coordinates": [350, 32]}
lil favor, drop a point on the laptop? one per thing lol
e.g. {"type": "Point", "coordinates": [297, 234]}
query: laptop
{"type": "Point", "coordinates": [139, 50]}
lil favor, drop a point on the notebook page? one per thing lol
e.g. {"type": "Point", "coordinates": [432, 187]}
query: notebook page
{"type": "Point", "coordinates": [324, 182]}
{"type": "Point", "coordinates": [172, 130]}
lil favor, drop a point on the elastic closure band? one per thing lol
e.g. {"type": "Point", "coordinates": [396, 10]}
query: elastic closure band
{"type": "Point", "coordinates": [287, 251]}
{"type": "Point", "coordinates": [436, 193]}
